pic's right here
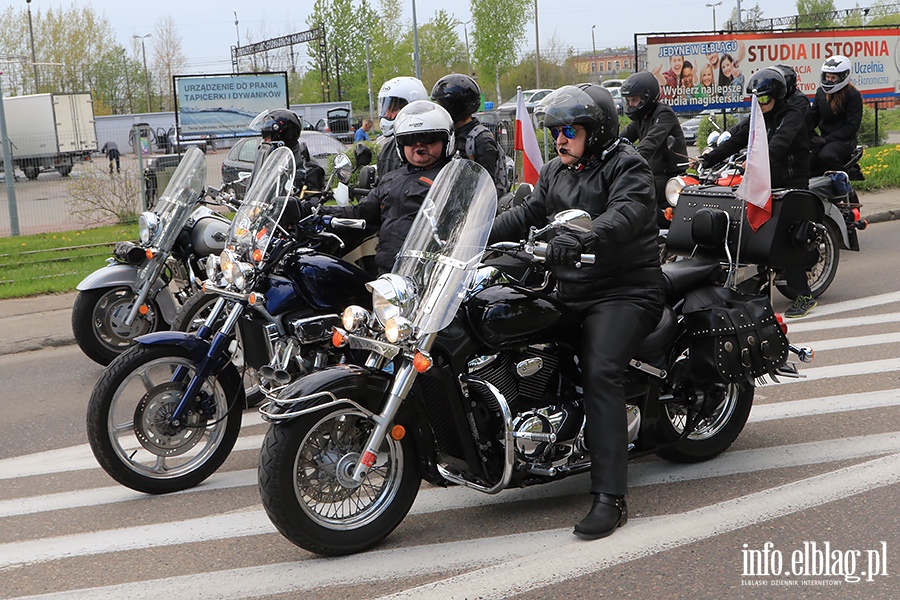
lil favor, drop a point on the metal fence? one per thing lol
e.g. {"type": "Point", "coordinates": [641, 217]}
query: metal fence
{"type": "Point", "coordinates": [54, 201]}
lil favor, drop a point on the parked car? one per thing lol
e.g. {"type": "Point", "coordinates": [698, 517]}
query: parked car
{"type": "Point", "coordinates": [337, 123]}
{"type": "Point", "coordinates": [530, 97]}
{"type": "Point", "coordinates": [612, 83]}
{"type": "Point", "coordinates": [616, 93]}
{"type": "Point", "coordinates": [689, 128]}
{"type": "Point", "coordinates": [168, 142]}
{"type": "Point", "coordinates": [242, 155]}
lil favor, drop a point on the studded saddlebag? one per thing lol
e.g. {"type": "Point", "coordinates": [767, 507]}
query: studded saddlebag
{"type": "Point", "coordinates": [733, 337]}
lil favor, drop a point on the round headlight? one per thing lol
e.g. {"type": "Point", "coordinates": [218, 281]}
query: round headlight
{"type": "Point", "coordinates": [148, 225]}
{"type": "Point", "coordinates": [227, 261]}
{"type": "Point", "coordinates": [392, 296]}
{"type": "Point", "coordinates": [673, 190]}
{"type": "Point", "coordinates": [397, 329]}
{"type": "Point", "coordinates": [212, 264]}
{"type": "Point", "coordinates": [355, 318]}
{"type": "Point", "coordinates": [239, 273]}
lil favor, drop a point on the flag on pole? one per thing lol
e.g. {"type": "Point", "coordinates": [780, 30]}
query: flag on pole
{"type": "Point", "coordinates": [756, 186]}
{"type": "Point", "coordinates": [526, 141]}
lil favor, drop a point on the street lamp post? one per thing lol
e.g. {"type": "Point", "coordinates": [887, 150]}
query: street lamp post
{"type": "Point", "coordinates": [468, 55]}
{"type": "Point", "coordinates": [127, 82]}
{"type": "Point", "coordinates": [713, 6]}
{"type": "Point", "coordinates": [416, 42]}
{"type": "Point", "coordinates": [37, 88]}
{"type": "Point", "coordinates": [594, 48]}
{"type": "Point", "coordinates": [146, 76]}
{"type": "Point", "coordinates": [537, 48]}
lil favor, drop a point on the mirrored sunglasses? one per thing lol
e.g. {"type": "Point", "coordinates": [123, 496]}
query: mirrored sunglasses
{"type": "Point", "coordinates": [764, 99]}
{"type": "Point", "coordinates": [567, 130]}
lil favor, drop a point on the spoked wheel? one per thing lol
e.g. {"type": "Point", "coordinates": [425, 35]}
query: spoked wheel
{"type": "Point", "coordinates": [306, 485]}
{"type": "Point", "coordinates": [130, 428]}
{"type": "Point", "coordinates": [194, 314]}
{"type": "Point", "coordinates": [98, 322]}
{"type": "Point", "coordinates": [716, 429]}
{"type": "Point", "coordinates": [824, 271]}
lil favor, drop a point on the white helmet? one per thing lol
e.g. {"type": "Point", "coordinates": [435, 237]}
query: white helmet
{"type": "Point", "coordinates": [424, 121]}
{"type": "Point", "coordinates": [837, 65]}
{"type": "Point", "coordinates": [394, 95]}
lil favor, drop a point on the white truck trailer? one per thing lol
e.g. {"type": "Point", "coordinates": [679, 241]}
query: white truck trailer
{"type": "Point", "coordinates": [50, 132]}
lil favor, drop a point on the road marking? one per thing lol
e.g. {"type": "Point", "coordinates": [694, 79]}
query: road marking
{"type": "Point", "coordinates": [856, 304]}
{"type": "Point", "coordinates": [852, 342]}
{"type": "Point", "coordinates": [869, 367]}
{"type": "Point", "coordinates": [848, 323]}
{"type": "Point", "coordinates": [515, 563]}
{"type": "Point", "coordinates": [432, 500]}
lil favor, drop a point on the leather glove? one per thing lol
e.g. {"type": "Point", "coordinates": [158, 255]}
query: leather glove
{"type": "Point", "coordinates": [566, 248]}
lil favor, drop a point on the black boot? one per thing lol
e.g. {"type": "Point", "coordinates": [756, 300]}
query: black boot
{"type": "Point", "coordinates": [606, 515]}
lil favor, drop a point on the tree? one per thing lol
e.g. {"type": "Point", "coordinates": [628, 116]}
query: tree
{"type": "Point", "coordinates": [884, 12]}
{"type": "Point", "coordinates": [343, 62]}
{"type": "Point", "coordinates": [499, 28]}
{"type": "Point", "coordinates": [440, 48]}
{"type": "Point", "coordinates": [818, 12]}
{"type": "Point", "coordinates": [168, 60]}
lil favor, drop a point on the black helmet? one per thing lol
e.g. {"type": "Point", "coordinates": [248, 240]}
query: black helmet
{"type": "Point", "coordinates": [585, 104]}
{"type": "Point", "coordinates": [643, 85]}
{"type": "Point", "coordinates": [767, 82]}
{"type": "Point", "coordinates": [282, 125]}
{"type": "Point", "coordinates": [790, 77]}
{"type": "Point", "coordinates": [459, 94]}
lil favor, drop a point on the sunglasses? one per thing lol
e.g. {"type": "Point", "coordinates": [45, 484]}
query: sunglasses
{"type": "Point", "coordinates": [764, 99]}
{"type": "Point", "coordinates": [567, 130]}
{"type": "Point", "coordinates": [429, 138]}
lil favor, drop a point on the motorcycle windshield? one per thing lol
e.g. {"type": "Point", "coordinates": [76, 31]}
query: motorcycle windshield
{"type": "Point", "coordinates": [257, 218]}
{"type": "Point", "coordinates": [446, 242]}
{"type": "Point", "coordinates": [179, 198]}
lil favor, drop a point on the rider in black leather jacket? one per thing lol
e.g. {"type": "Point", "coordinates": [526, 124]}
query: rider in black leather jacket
{"type": "Point", "coordinates": [618, 300]}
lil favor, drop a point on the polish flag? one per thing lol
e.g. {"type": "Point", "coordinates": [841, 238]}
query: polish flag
{"type": "Point", "coordinates": [756, 186]}
{"type": "Point", "coordinates": [526, 141]}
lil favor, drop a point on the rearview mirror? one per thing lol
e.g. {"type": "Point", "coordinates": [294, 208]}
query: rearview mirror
{"type": "Point", "coordinates": [342, 168]}
{"type": "Point", "coordinates": [573, 219]}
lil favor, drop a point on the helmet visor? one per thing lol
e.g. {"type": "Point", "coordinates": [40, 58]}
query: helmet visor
{"type": "Point", "coordinates": [389, 106]}
{"type": "Point", "coordinates": [566, 106]}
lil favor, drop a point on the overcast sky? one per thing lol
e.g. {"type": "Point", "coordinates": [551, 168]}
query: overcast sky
{"type": "Point", "coordinates": [207, 27]}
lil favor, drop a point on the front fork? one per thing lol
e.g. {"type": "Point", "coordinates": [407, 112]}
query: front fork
{"type": "Point", "coordinates": [215, 355]}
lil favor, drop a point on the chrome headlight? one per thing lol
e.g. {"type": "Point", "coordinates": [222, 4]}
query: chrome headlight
{"type": "Point", "coordinates": [212, 265]}
{"type": "Point", "coordinates": [673, 190]}
{"type": "Point", "coordinates": [355, 318]}
{"type": "Point", "coordinates": [397, 329]}
{"type": "Point", "coordinates": [239, 273]}
{"type": "Point", "coordinates": [148, 225]}
{"type": "Point", "coordinates": [392, 296]}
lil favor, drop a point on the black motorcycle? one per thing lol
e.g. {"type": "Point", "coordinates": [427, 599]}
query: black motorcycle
{"type": "Point", "coordinates": [166, 413]}
{"type": "Point", "coordinates": [471, 378]}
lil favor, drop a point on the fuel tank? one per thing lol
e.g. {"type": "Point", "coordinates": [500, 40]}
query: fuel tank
{"type": "Point", "coordinates": [508, 315]}
{"type": "Point", "coordinates": [318, 281]}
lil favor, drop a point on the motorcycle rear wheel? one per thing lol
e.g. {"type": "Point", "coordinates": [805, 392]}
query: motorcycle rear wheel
{"type": "Point", "coordinates": [305, 484]}
{"type": "Point", "coordinates": [128, 428]}
{"type": "Point", "coordinates": [189, 319]}
{"type": "Point", "coordinates": [98, 322]}
{"type": "Point", "coordinates": [713, 434]}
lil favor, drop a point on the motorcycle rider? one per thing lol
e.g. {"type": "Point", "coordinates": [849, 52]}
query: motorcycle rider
{"type": "Point", "coordinates": [619, 299]}
{"type": "Point", "coordinates": [788, 158]}
{"type": "Point", "coordinates": [393, 96]}
{"type": "Point", "coordinates": [652, 122]}
{"type": "Point", "coordinates": [423, 132]}
{"type": "Point", "coordinates": [795, 96]}
{"type": "Point", "coordinates": [461, 96]}
{"type": "Point", "coordinates": [282, 125]}
{"type": "Point", "coordinates": [837, 111]}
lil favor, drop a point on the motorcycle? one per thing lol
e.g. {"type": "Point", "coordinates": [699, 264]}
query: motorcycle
{"type": "Point", "coordinates": [166, 413]}
{"type": "Point", "coordinates": [841, 218]}
{"type": "Point", "coordinates": [143, 284]}
{"type": "Point", "coordinates": [469, 378]}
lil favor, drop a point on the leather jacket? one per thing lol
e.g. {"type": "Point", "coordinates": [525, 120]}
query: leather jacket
{"type": "Point", "coordinates": [617, 191]}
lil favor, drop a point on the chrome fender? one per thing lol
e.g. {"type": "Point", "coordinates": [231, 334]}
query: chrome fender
{"type": "Point", "coordinates": [117, 274]}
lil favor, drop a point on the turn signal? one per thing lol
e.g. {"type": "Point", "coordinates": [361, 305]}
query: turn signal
{"type": "Point", "coordinates": [257, 255]}
{"type": "Point", "coordinates": [338, 338]}
{"type": "Point", "coordinates": [422, 361]}
{"type": "Point", "coordinates": [780, 318]}
{"type": "Point", "coordinates": [149, 253]}
{"type": "Point", "coordinates": [669, 214]}
{"type": "Point", "coordinates": [143, 309]}
{"type": "Point", "coordinates": [398, 432]}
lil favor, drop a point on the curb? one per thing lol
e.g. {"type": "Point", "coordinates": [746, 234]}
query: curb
{"type": "Point", "coordinates": [881, 217]}
{"type": "Point", "coordinates": [33, 344]}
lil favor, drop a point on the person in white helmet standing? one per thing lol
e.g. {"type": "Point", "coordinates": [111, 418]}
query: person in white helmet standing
{"type": "Point", "coordinates": [837, 113]}
{"type": "Point", "coordinates": [394, 95]}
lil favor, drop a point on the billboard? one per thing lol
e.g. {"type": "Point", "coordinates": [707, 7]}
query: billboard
{"type": "Point", "coordinates": [709, 70]}
{"type": "Point", "coordinates": [223, 105]}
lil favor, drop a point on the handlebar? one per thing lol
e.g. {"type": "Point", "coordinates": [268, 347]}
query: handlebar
{"type": "Point", "coordinates": [535, 254]}
{"type": "Point", "coordinates": [343, 222]}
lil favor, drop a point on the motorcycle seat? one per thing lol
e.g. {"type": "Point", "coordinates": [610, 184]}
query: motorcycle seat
{"type": "Point", "coordinates": [682, 276]}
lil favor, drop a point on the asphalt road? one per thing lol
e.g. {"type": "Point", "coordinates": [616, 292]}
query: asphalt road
{"type": "Point", "coordinates": [814, 475]}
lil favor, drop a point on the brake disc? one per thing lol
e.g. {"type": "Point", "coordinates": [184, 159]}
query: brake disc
{"type": "Point", "coordinates": [153, 426]}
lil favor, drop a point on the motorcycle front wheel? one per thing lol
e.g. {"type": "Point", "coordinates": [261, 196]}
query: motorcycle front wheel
{"type": "Point", "coordinates": [713, 432]}
{"type": "Point", "coordinates": [98, 322]}
{"type": "Point", "coordinates": [306, 487]}
{"type": "Point", "coordinates": [129, 425]}
{"type": "Point", "coordinates": [189, 319]}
